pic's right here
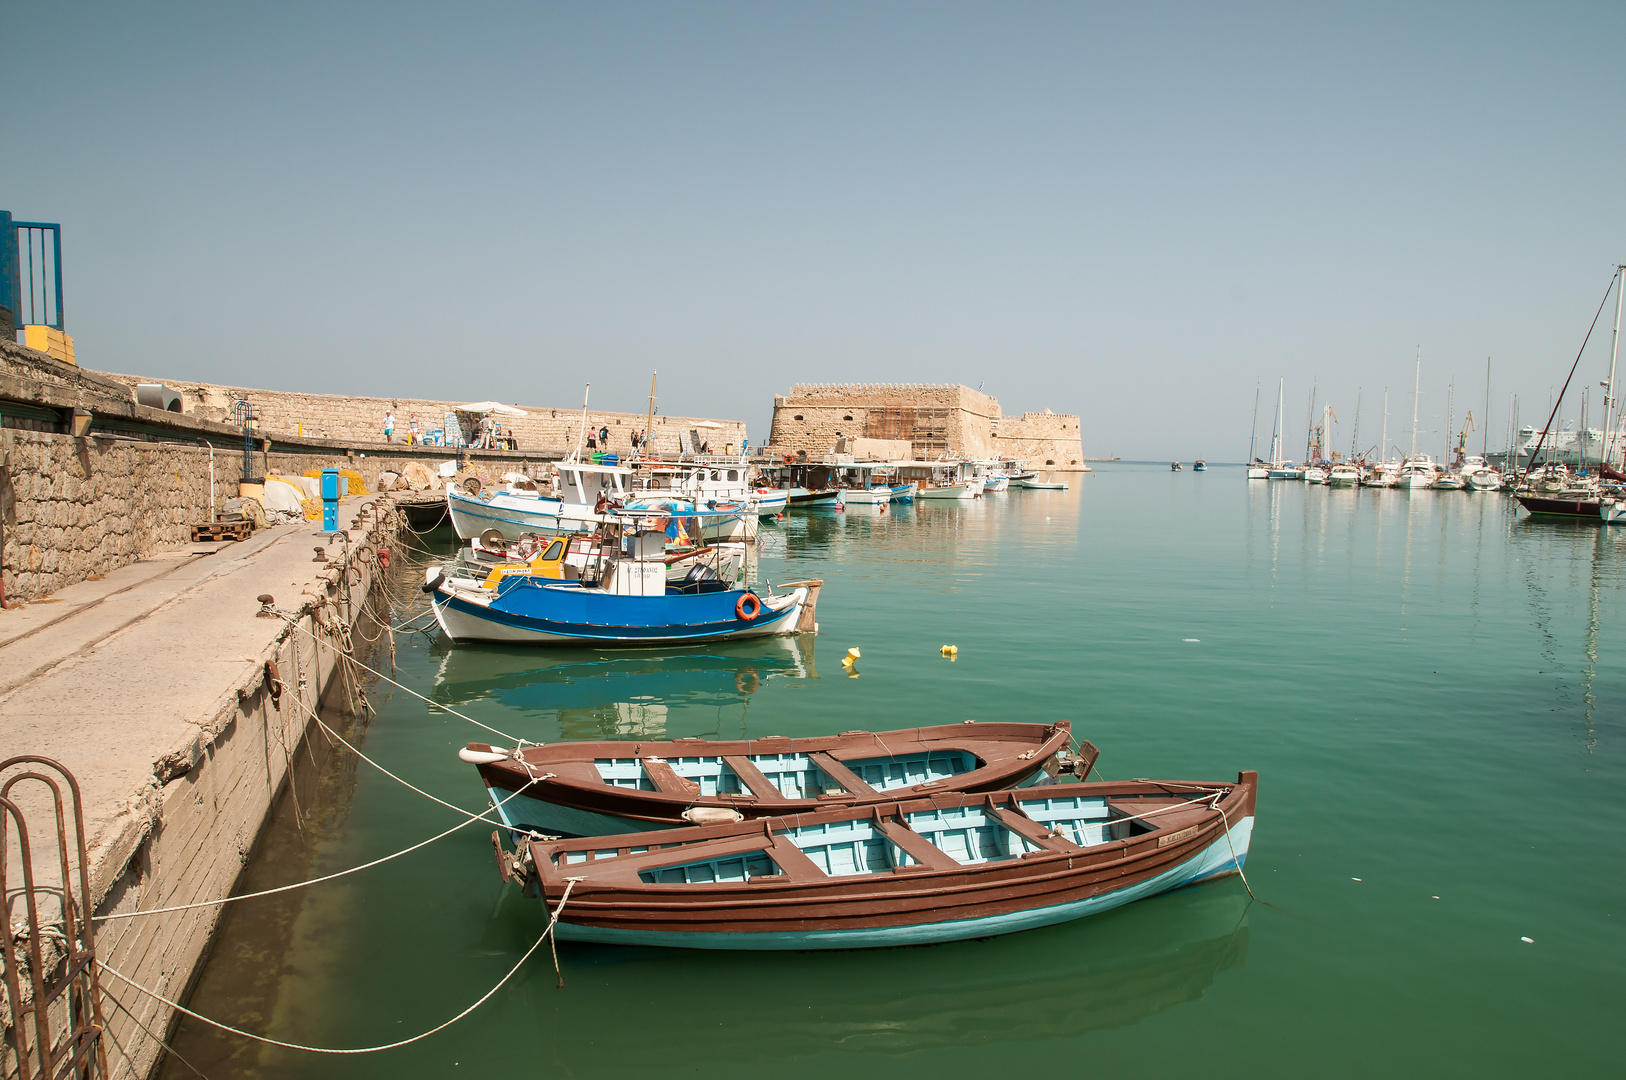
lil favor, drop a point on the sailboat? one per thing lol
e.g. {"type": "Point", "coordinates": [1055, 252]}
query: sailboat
{"type": "Point", "coordinates": [1279, 468]}
{"type": "Point", "coordinates": [1257, 470]}
{"type": "Point", "coordinates": [1419, 470]}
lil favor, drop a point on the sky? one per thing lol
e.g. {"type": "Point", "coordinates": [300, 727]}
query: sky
{"type": "Point", "coordinates": [1136, 213]}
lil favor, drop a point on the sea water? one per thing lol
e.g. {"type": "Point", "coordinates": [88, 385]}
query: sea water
{"type": "Point", "coordinates": [1430, 685]}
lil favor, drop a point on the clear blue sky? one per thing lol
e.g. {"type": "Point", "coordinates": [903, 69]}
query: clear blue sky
{"type": "Point", "coordinates": [1131, 212]}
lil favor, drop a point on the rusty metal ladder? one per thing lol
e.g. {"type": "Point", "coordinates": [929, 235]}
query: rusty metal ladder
{"type": "Point", "coordinates": [78, 1050]}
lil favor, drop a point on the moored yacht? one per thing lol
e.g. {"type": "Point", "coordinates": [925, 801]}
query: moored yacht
{"type": "Point", "coordinates": [1344, 474]}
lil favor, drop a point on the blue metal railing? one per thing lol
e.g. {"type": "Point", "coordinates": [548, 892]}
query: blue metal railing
{"type": "Point", "coordinates": [31, 271]}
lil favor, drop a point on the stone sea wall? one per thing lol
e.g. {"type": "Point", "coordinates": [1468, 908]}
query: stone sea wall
{"type": "Point", "coordinates": [1042, 440]}
{"type": "Point", "coordinates": [546, 430]}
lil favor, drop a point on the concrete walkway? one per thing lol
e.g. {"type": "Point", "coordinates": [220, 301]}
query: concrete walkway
{"type": "Point", "coordinates": [121, 679]}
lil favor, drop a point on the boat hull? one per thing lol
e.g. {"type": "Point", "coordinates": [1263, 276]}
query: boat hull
{"type": "Point", "coordinates": [786, 901]}
{"type": "Point", "coordinates": [514, 519]}
{"type": "Point", "coordinates": [952, 492]}
{"type": "Point", "coordinates": [1579, 509]}
{"type": "Point", "coordinates": [1216, 861]}
{"type": "Point", "coordinates": [523, 611]}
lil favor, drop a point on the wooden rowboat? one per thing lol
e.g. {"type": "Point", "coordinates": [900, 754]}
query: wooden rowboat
{"type": "Point", "coordinates": [928, 869]}
{"type": "Point", "coordinates": [600, 788]}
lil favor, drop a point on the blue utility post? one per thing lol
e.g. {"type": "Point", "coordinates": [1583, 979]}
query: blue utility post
{"type": "Point", "coordinates": [330, 500]}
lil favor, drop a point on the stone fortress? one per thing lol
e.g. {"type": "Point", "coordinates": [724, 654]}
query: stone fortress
{"type": "Point", "coordinates": [936, 420]}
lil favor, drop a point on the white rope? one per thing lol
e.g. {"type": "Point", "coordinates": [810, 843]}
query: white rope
{"type": "Point", "coordinates": [471, 819]}
{"type": "Point", "coordinates": [291, 621]}
{"type": "Point", "coordinates": [547, 933]}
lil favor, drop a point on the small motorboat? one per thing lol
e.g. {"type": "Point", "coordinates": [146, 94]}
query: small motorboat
{"type": "Point", "coordinates": [1314, 474]}
{"type": "Point", "coordinates": [915, 871]}
{"type": "Point", "coordinates": [1199, 465]}
{"type": "Point", "coordinates": [1449, 481]}
{"type": "Point", "coordinates": [1028, 483]}
{"type": "Point", "coordinates": [1344, 475]}
{"type": "Point", "coordinates": [1174, 466]}
{"type": "Point", "coordinates": [1612, 510]}
{"type": "Point", "coordinates": [599, 788]}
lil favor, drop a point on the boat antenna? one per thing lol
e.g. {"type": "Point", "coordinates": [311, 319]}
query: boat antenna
{"type": "Point", "coordinates": [1612, 281]}
{"type": "Point", "coordinates": [576, 454]}
{"type": "Point", "coordinates": [1254, 440]}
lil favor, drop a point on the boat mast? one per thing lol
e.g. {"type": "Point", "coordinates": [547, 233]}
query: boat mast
{"type": "Point", "coordinates": [1253, 441]}
{"type": "Point", "coordinates": [1417, 388]}
{"type": "Point", "coordinates": [1484, 425]}
{"type": "Point", "coordinates": [1609, 409]}
{"type": "Point", "coordinates": [1276, 436]}
{"type": "Point", "coordinates": [1355, 436]}
{"type": "Point", "coordinates": [576, 454]}
{"type": "Point", "coordinates": [648, 426]}
{"type": "Point", "coordinates": [1309, 420]}
{"type": "Point", "coordinates": [1383, 450]}
{"type": "Point", "coordinates": [1450, 419]}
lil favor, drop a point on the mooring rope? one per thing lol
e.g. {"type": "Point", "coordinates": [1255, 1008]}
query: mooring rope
{"type": "Point", "coordinates": [553, 921]}
{"type": "Point", "coordinates": [470, 817]}
{"type": "Point", "coordinates": [293, 622]}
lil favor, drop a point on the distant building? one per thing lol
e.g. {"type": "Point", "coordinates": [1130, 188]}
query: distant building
{"type": "Point", "coordinates": [936, 420]}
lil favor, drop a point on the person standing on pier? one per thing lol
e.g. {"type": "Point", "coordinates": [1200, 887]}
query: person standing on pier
{"type": "Point", "coordinates": [604, 437]}
{"type": "Point", "coordinates": [389, 425]}
{"type": "Point", "coordinates": [412, 430]}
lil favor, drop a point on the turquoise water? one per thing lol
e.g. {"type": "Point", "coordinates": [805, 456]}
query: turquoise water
{"type": "Point", "coordinates": [1429, 687]}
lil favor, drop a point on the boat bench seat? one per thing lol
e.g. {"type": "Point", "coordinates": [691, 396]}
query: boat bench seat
{"type": "Point", "coordinates": [666, 779]}
{"type": "Point", "coordinates": [753, 778]}
{"type": "Point", "coordinates": [1030, 830]}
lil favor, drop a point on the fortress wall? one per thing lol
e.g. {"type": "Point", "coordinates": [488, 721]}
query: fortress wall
{"type": "Point", "coordinates": [1044, 440]}
{"type": "Point", "coordinates": [545, 431]}
{"type": "Point", "coordinates": [934, 418]}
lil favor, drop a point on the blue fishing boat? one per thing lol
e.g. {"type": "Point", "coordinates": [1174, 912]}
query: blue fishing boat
{"type": "Point", "coordinates": [927, 869]}
{"type": "Point", "coordinates": [621, 596]}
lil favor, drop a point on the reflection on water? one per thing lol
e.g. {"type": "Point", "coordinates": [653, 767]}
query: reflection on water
{"type": "Point", "coordinates": [1111, 971]}
{"type": "Point", "coordinates": [614, 694]}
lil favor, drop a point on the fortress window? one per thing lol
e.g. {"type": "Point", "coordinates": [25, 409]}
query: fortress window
{"type": "Point", "coordinates": [798, 416]}
{"type": "Point", "coordinates": [846, 418]}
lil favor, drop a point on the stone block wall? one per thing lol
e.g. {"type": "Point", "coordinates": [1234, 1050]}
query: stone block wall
{"type": "Point", "coordinates": [936, 419]}
{"type": "Point", "coordinates": [1043, 440]}
{"type": "Point", "coordinates": [544, 431]}
{"type": "Point", "coordinates": [71, 507]}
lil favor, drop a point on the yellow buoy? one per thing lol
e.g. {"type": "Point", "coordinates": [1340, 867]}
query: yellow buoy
{"type": "Point", "coordinates": [853, 652]}
{"type": "Point", "coordinates": [950, 650]}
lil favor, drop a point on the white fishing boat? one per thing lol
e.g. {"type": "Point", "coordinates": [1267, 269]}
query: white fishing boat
{"type": "Point", "coordinates": [1383, 474]}
{"type": "Point", "coordinates": [1034, 484]}
{"type": "Point", "coordinates": [1315, 474]}
{"type": "Point", "coordinates": [1478, 476]}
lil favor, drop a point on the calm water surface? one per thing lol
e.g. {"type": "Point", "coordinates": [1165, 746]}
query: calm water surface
{"type": "Point", "coordinates": [1429, 686]}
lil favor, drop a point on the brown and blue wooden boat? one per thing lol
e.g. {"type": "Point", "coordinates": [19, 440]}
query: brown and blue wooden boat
{"type": "Point", "coordinates": [602, 788]}
{"type": "Point", "coordinates": [918, 870]}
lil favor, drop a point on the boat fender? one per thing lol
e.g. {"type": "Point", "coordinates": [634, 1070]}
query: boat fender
{"type": "Point", "coordinates": [748, 607]}
{"type": "Point", "coordinates": [712, 815]}
{"type": "Point", "coordinates": [384, 558]}
{"type": "Point", "coordinates": [480, 757]}
{"type": "Point", "coordinates": [435, 582]}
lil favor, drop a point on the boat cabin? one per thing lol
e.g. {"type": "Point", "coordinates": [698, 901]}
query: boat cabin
{"type": "Point", "coordinates": [583, 482]}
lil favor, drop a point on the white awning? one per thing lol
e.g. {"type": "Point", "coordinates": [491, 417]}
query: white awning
{"type": "Point", "coordinates": [482, 408]}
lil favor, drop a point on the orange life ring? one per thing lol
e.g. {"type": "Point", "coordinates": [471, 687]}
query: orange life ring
{"type": "Point", "coordinates": [748, 600]}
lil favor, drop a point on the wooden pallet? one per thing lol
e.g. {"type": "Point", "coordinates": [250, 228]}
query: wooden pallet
{"type": "Point", "coordinates": [222, 530]}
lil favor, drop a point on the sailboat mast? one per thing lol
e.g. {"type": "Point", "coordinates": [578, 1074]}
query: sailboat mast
{"type": "Point", "coordinates": [1609, 409]}
{"type": "Point", "coordinates": [1383, 450]}
{"type": "Point", "coordinates": [1309, 421]}
{"type": "Point", "coordinates": [1253, 440]}
{"type": "Point", "coordinates": [1417, 388]}
{"type": "Point", "coordinates": [1355, 436]}
{"type": "Point", "coordinates": [1276, 436]}
{"type": "Point", "coordinates": [1484, 425]}
{"type": "Point", "coordinates": [1450, 418]}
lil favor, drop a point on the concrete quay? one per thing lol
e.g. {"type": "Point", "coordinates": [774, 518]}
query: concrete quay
{"type": "Point", "coordinates": [152, 685]}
